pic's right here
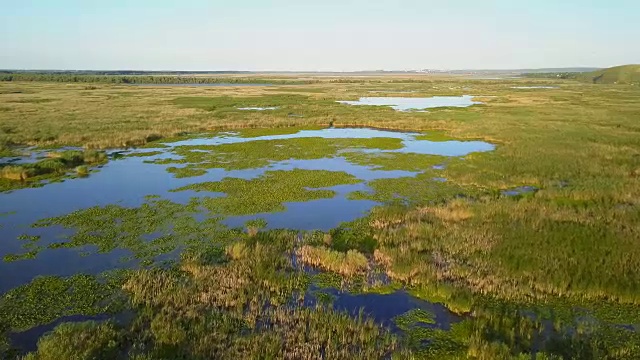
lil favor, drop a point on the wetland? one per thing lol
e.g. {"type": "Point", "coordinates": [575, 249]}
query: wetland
{"type": "Point", "coordinates": [201, 222]}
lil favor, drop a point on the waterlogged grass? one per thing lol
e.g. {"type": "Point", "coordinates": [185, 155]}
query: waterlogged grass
{"type": "Point", "coordinates": [418, 190]}
{"type": "Point", "coordinates": [458, 241]}
{"type": "Point", "coordinates": [48, 298]}
{"type": "Point", "coordinates": [217, 310]}
{"type": "Point", "coordinates": [144, 154]}
{"type": "Point", "coordinates": [250, 133]}
{"type": "Point", "coordinates": [558, 259]}
{"type": "Point", "coordinates": [260, 153]}
{"type": "Point", "coordinates": [435, 136]}
{"type": "Point", "coordinates": [54, 167]}
{"type": "Point", "coordinates": [507, 333]}
{"type": "Point", "coordinates": [394, 161]}
{"type": "Point", "coordinates": [156, 227]}
{"type": "Point", "coordinates": [185, 172]}
{"type": "Point", "coordinates": [240, 302]}
{"type": "Point", "coordinates": [269, 192]}
{"type": "Point", "coordinates": [85, 340]}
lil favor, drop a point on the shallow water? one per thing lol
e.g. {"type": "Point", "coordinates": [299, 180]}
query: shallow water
{"type": "Point", "coordinates": [415, 103]}
{"type": "Point", "coordinates": [127, 181]}
{"type": "Point", "coordinates": [376, 306]}
{"type": "Point", "coordinates": [411, 144]}
{"type": "Point", "coordinates": [521, 190]}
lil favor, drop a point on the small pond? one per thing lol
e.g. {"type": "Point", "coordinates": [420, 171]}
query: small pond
{"type": "Point", "coordinates": [415, 103]}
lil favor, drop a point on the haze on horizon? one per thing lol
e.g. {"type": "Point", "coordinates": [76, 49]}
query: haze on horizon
{"type": "Point", "coordinates": [330, 35]}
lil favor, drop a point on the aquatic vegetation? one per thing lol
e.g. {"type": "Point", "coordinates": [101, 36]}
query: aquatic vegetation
{"type": "Point", "coordinates": [394, 161]}
{"type": "Point", "coordinates": [85, 340]}
{"type": "Point", "coordinates": [354, 235]}
{"type": "Point", "coordinates": [418, 190]}
{"type": "Point", "coordinates": [144, 153]}
{"type": "Point", "coordinates": [156, 227]}
{"type": "Point", "coordinates": [350, 263]}
{"type": "Point", "coordinates": [48, 298]}
{"type": "Point", "coordinates": [31, 254]}
{"type": "Point", "coordinates": [260, 153]}
{"type": "Point", "coordinates": [550, 275]}
{"type": "Point", "coordinates": [506, 332]}
{"type": "Point", "coordinates": [253, 226]}
{"type": "Point", "coordinates": [230, 298]}
{"type": "Point", "coordinates": [53, 167]}
{"type": "Point", "coordinates": [269, 192]}
{"type": "Point", "coordinates": [185, 172]}
{"type": "Point", "coordinates": [268, 131]}
{"type": "Point", "coordinates": [82, 170]}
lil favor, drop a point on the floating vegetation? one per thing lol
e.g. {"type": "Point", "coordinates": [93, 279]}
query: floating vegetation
{"type": "Point", "coordinates": [412, 190]}
{"type": "Point", "coordinates": [144, 153]}
{"type": "Point", "coordinates": [269, 192]}
{"type": "Point", "coordinates": [156, 227]}
{"type": "Point", "coordinates": [48, 298]}
{"type": "Point", "coordinates": [393, 161]}
{"type": "Point", "coordinates": [260, 153]}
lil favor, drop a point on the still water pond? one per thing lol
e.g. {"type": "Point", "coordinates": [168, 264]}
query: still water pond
{"type": "Point", "coordinates": [415, 103]}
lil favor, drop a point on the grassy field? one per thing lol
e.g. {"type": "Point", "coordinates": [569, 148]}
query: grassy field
{"type": "Point", "coordinates": [552, 272]}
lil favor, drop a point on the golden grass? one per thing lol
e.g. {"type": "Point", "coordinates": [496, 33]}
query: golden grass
{"type": "Point", "coordinates": [348, 264]}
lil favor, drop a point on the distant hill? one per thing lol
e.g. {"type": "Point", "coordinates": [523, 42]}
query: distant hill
{"type": "Point", "coordinates": [625, 74]}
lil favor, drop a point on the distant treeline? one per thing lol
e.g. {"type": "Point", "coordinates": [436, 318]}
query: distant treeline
{"type": "Point", "coordinates": [176, 79]}
{"type": "Point", "coordinates": [142, 79]}
{"type": "Point", "coordinates": [121, 72]}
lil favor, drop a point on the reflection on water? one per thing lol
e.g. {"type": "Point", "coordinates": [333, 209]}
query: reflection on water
{"type": "Point", "coordinates": [126, 181]}
{"type": "Point", "coordinates": [522, 190]}
{"type": "Point", "coordinates": [411, 144]}
{"type": "Point", "coordinates": [417, 103]}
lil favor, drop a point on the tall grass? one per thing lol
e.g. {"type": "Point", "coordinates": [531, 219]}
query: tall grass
{"type": "Point", "coordinates": [349, 264]}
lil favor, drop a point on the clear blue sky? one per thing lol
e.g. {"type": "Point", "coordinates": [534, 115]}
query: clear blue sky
{"type": "Point", "coordinates": [338, 35]}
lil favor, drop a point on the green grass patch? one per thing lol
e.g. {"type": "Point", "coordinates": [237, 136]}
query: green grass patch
{"type": "Point", "coordinates": [48, 298]}
{"type": "Point", "coordinates": [260, 153]}
{"type": "Point", "coordinates": [394, 161]}
{"type": "Point", "coordinates": [233, 103]}
{"type": "Point", "coordinates": [155, 228]}
{"type": "Point", "coordinates": [269, 192]}
{"type": "Point", "coordinates": [55, 167]}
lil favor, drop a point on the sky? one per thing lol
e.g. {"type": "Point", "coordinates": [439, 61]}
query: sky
{"type": "Point", "coordinates": [321, 35]}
